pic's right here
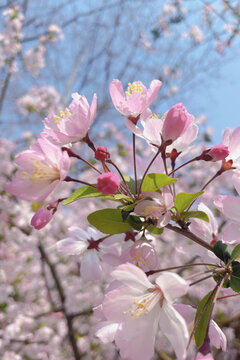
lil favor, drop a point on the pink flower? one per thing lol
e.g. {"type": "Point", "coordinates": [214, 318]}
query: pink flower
{"type": "Point", "coordinates": [42, 218]}
{"type": "Point", "coordinates": [139, 307]}
{"type": "Point", "coordinates": [142, 254]}
{"type": "Point", "coordinates": [152, 131]}
{"type": "Point", "coordinates": [232, 140]}
{"type": "Point", "coordinates": [101, 153]}
{"type": "Point", "coordinates": [136, 99]}
{"type": "Point", "coordinates": [207, 231]}
{"type": "Point", "coordinates": [158, 208]}
{"type": "Point", "coordinates": [108, 183]}
{"type": "Point", "coordinates": [43, 167]}
{"type": "Point", "coordinates": [176, 123]}
{"type": "Point", "coordinates": [90, 245]}
{"type": "Point", "coordinates": [73, 123]}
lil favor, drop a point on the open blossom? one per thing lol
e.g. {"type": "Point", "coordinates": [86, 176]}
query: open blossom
{"type": "Point", "coordinates": [232, 140]}
{"type": "Point", "coordinates": [230, 207]}
{"type": "Point", "coordinates": [152, 131]}
{"type": "Point", "coordinates": [73, 123]}
{"type": "Point", "coordinates": [90, 246]}
{"type": "Point", "coordinates": [133, 311]}
{"type": "Point", "coordinates": [108, 183]}
{"type": "Point", "coordinates": [158, 208]}
{"type": "Point", "coordinates": [142, 254]}
{"type": "Point", "coordinates": [43, 167]}
{"type": "Point", "coordinates": [136, 99]}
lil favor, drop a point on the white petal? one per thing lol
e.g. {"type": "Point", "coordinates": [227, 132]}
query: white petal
{"type": "Point", "coordinates": [106, 331]}
{"type": "Point", "coordinates": [217, 337]}
{"type": "Point", "coordinates": [136, 338]}
{"type": "Point", "coordinates": [79, 233]}
{"type": "Point", "coordinates": [231, 233]}
{"type": "Point", "coordinates": [90, 266]}
{"type": "Point", "coordinates": [175, 329]}
{"type": "Point", "coordinates": [172, 285]}
{"type": "Point", "coordinates": [131, 276]}
{"type": "Point", "coordinates": [70, 246]}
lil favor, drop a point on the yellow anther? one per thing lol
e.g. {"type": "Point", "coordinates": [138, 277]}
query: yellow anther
{"type": "Point", "coordinates": [41, 172]}
{"type": "Point", "coordinates": [63, 114]}
{"type": "Point", "coordinates": [57, 119]}
{"type": "Point", "coordinates": [154, 116]}
{"type": "Point", "coordinates": [67, 112]}
{"type": "Point", "coordinates": [134, 88]}
{"type": "Point", "coordinates": [24, 175]}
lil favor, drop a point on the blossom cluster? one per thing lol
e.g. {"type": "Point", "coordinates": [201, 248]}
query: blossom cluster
{"type": "Point", "coordinates": [144, 295]}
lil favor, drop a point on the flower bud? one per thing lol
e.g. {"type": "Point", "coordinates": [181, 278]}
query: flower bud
{"type": "Point", "coordinates": [176, 123]}
{"type": "Point", "coordinates": [108, 183]}
{"type": "Point", "coordinates": [214, 153]}
{"type": "Point", "coordinates": [101, 153]}
{"type": "Point", "coordinates": [41, 218]}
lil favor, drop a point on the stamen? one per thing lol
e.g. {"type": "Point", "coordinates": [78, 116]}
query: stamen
{"type": "Point", "coordinates": [142, 305]}
{"type": "Point", "coordinates": [63, 114]}
{"type": "Point", "coordinates": [134, 88]}
{"type": "Point", "coordinates": [42, 172]}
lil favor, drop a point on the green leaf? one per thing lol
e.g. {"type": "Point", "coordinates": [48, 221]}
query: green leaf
{"type": "Point", "coordinates": [155, 230]}
{"type": "Point", "coordinates": [202, 326]}
{"type": "Point", "coordinates": [183, 200]}
{"type": "Point", "coordinates": [235, 277]}
{"type": "Point", "coordinates": [195, 214]}
{"type": "Point", "coordinates": [109, 221]}
{"type": "Point", "coordinates": [128, 208]}
{"type": "Point", "coordinates": [222, 251]}
{"type": "Point", "coordinates": [136, 222]}
{"type": "Point", "coordinates": [88, 192]}
{"type": "Point", "coordinates": [118, 197]}
{"type": "Point", "coordinates": [236, 252]}
{"type": "Point", "coordinates": [153, 182]}
{"type": "Point", "coordinates": [83, 192]}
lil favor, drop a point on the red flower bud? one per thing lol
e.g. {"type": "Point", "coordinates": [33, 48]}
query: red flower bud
{"type": "Point", "coordinates": [108, 183]}
{"type": "Point", "coordinates": [102, 153]}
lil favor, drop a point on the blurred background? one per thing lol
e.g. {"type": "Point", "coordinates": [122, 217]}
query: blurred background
{"type": "Point", "coordinates": [52, 48]}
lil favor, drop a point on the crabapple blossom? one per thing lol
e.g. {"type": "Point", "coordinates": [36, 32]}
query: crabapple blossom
{"type": "Point", "coordinates": [142, 254]}
{"type": "Point", "coordinates": [108, 183]}
{"type": "Point", "coordinates": [176, 123]}
{"type": "Point", "coordinates": [136, 99]}
{"type": "Point", "coordinates": [158, 208]}
{"type": "Point", "coordinates": [43, 167]}
{"type": "Point", "coordinates": [90, 245]}
{"type": "Point", "coordinates": [152, 132]}
{"type": "Point", "coordinates": [232, 140]}
{"type": "Point", "coordinates": [73, 123]}
{"type": "Point", "coordinates": [139, 308]}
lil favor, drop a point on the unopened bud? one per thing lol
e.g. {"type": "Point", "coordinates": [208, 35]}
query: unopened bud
{"type": "Point", "coordinates": [41, 218]}
{"type": "Point", "coordinates": [108, 183]}
{"type": "Point", "coordinates": [102, 153]}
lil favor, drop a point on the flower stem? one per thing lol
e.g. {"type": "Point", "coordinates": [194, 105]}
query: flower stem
{"type": "Point", "coordinates": [68, 179]}
{"type": "Point", "coordinates": [146, 171]}
{"type": "Point", "coordinates": [134, 163]}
